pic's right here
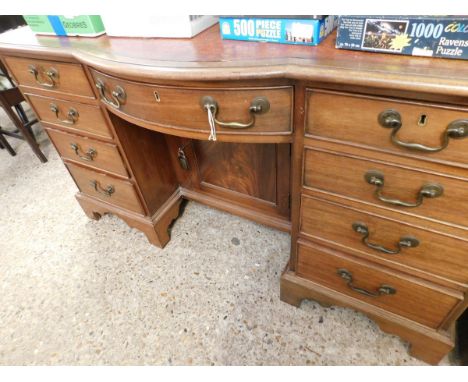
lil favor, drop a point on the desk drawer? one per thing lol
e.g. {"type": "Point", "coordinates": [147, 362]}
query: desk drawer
{"type": "Point", "coordinates": [345, 175]}
{"type": "Point", "coordinates": [355, 119]}
{"type": "Point", "coordinates": [50, 75]}
{"type": "Point", "coordinates": [181, 108]}
{"type": "Point", "coordinates": [355, 278]}
{"type": "Point", "coordinates": [106, 188]}
{"type": "Point", "coordinates": [104, 156]}
{"type": "Point", "coordinates": [75, 116]}
{"type": "Point", "coordinates": [346, 227]}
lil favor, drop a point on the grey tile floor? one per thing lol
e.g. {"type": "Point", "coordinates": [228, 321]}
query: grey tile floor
{"type": "Point", "coordinates": [80, 292]}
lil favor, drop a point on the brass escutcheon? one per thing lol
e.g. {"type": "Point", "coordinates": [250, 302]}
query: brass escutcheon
{"type": "Point", "coordinates": [390, 118]}
{"type": "Point", "coordinates": [259, 105]}
{"type": "Point", "coordinates": [118, 95]}
{"type": "Point", "coordinates": [429, 190]}
{"type": "Point", "coordinates": [72, 115]}
{"type": "Point", "coordinates": [51, 76]}
{"type": "Point", "coordinates": [384, 289]}
{"type": "Point", "coordinates": [406, 241]}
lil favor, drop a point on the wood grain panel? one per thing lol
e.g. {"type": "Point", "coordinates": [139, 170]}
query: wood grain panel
{"type": "Point", "coordinates": [436, 254]}
{"type": "Point", "coordinates": [256, 175]}
{"type": "Point", "coordinates": [106, 157]}
{"type": "Point", "coordinates": [353, 118]}
{"type": "Point", "coordinates": [90, 119]}
{"type": "Point", "coordinates": [248, 169]}
{"type": "Point", "coordinates": [320, 265]}
{"type": "Point", "coordinates": [71, 77]}
{"type": "Point", "coordinates": [344, 175]}
{"type": "Point", "coordinates": [150, 162]}
{"type": "Point", "coordinates": [124, 195]}
{"type": "Point", "coordinates": [180, 109]}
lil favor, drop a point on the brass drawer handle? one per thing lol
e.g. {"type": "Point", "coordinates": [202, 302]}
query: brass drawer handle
{"type": "Point", "coordinates": [118, 95]}
{"type": "Point", "coordinates": [376, 178]}
{"type": "Point", "coordinates": [348, 277]}
{"type": "Point", "coordinates": [259, 105]}
{"type": "Point", "coordinates": [51, 75]}
{"type": "Point", "coordinates": [183, 161]}
{"type": "Point", "coordinates": [72, 115]}
{"type": "Point", "coordinates": [89, 156]}
{"type": "Point", "coordinates": [108, 191]}
{"type": "Point", "coordinates": [392, 119]}
{"type": "Point", "coordinates": [405, 241]}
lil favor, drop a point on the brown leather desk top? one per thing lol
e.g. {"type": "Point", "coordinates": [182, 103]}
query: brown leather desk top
{"type": "Point", "coordinates": [208, 57]}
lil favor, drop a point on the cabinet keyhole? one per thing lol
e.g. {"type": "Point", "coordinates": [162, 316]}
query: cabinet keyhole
{"type": "Point", "coordinates": [422, 120]}
{"type": "Point", "coordinates": [157, 96]}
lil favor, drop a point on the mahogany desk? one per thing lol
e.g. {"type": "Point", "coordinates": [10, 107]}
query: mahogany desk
{"type": "Point", "coordinates": [362, 157]}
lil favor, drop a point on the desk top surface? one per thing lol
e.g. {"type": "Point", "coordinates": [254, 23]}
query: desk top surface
{"type": "Point", "coordinates": [208, 57]}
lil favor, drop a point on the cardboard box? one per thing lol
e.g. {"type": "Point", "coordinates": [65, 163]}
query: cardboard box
{"type": "Point", "coordinates": [298, 31]}
{"type": "Point", "coordinates": [90, 26]}
{"type": "Point", "coordinates": [430, 36]}
{"type": "Point", "coordinates": [147, 25]}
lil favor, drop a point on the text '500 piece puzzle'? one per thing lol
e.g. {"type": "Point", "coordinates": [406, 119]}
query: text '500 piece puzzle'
{"type": "Point", "coordinates": [285, 30]}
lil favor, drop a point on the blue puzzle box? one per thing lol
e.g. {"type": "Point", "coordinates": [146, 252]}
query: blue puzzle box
{"type": "Point", "coordinates": [298, 31]}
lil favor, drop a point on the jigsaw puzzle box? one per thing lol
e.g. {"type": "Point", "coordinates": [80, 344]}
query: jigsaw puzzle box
{"type": "Point", "coordinates": [431, 36]}
{"type": "Point", "coordinates": [288, 30]}
{"type": "Point", "coordinates": [90, 26]}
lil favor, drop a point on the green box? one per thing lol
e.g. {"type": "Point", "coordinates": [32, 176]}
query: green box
{"type": "Point", "coordinates": [83, 25]}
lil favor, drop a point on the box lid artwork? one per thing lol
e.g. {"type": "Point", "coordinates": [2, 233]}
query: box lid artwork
{"type": "Point", "coordinates": [296, 30]}
{"type": "Point", "coordinates": [80, 25]}
{"type": "Point", "coordinates": [430, 36]}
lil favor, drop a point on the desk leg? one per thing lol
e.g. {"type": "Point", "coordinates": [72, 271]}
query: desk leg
{"type": "Point", "coordinates": [156, 228]}
{"type": "Point", "coordinates": [426, 344]}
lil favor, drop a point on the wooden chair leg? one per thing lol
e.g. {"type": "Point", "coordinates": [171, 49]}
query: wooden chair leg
{"type": "Point", "coordinates": [24, 118]}
{"type": "Point", "coordinates": [22, 114]}
{"type": "Point", "coordinates": [26, 134]}
{"type": "Point", "coordinates": [4, 144]}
